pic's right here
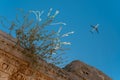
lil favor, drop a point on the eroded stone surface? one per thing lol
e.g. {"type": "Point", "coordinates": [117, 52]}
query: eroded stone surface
{"type": "Point", "coordinates": [84, 71]}
{"type": "Point", "coordinates": [16, 66]}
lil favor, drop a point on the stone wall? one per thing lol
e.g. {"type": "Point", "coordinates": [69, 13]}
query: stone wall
{"type": "Point", "coordinates": [14, 65]}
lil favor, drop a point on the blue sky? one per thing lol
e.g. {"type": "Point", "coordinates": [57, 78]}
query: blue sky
{"type": "Point", "coordinates": [99, 50]}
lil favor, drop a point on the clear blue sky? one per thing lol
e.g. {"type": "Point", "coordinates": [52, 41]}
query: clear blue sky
{"type": "Point", "coordinates": [99, 50]}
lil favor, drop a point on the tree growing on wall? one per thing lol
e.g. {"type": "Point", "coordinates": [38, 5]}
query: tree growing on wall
{"type": "Point", "coordinates": [39, 42]}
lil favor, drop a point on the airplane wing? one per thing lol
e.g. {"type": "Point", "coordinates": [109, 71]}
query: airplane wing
{"type": "Point", "coordinates": [97, 30]}
{"type": "Point", "coordinates": [92, 26]}
{"type": "Point", "coordinates": [91, 31]}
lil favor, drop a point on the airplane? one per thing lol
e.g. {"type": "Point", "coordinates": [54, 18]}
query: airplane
{"type": "Point", "coordinates": [94, 28]}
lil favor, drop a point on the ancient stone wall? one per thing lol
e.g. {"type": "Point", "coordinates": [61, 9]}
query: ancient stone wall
{"type": "Point", "coordinates": [14, 65]}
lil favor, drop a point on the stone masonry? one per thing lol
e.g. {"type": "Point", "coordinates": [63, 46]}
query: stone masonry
{"type": "Point", "coordinates": [14, 65]}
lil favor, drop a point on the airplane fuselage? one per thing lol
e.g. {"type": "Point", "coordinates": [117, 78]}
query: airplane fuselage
{"type": "Point", "coordinates": [95, 28]}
